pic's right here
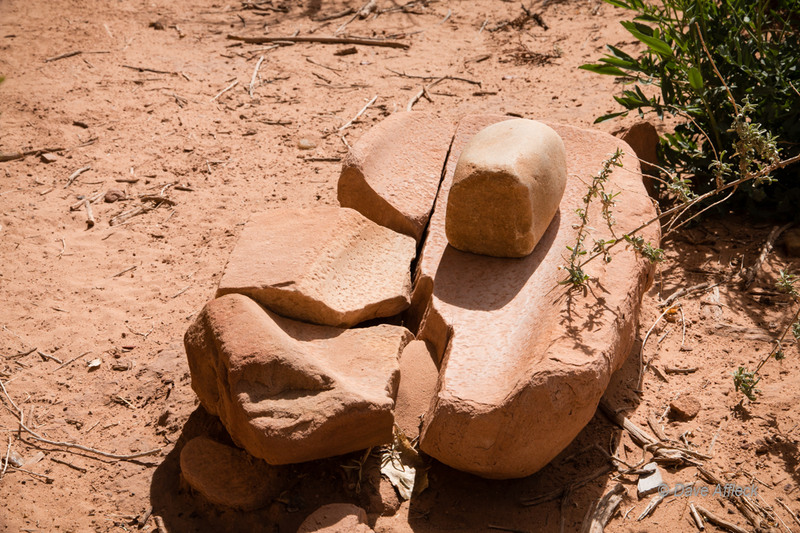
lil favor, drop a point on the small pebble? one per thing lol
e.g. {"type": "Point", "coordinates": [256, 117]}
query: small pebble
{"type": "Point", "coordinates": [306, 144]}
{"type": "Point", "coordinates": [112, 195]}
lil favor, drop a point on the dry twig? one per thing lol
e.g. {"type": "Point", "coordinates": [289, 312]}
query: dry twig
{"type": "Point", "coordinates": [70, 445]}
{"type": "Point", "coordinates": [321, 40]}
{"type": "Point", "coordinates": [363, 110]}
{"type": "Point", "coordinates": [717, 521]}
{"type": "Point", "coordinates": [604, 510]}
{"type": "Point", "coordinates": [750, 274]}
{"type": "Point", "coordinates": [255, 76]}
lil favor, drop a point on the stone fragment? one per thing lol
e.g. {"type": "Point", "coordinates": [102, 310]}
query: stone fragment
{"type": "Point", "coordinates": [392, 173]}
{"type": "Point", "coordinates": [48, 157]}
{"type": "Point", "coordinates": [684, 408]}
{"type": "Point", "coordinates": [229, 476]}
{"type": "Point", "coordinates": [326, 265]}
{"type": "Point", "coordinates": [288, 391]}
{"type": "Point", "coordinates": [113, 195]}
{"type": "Point", "coordinates": [506, 188]}
{"type": "Point", "coordinates": [524, 361]}
{"type": "Point", "coordinates": [336, 518]}
{"type": "Point", "coordinates": [791, 239]}
{"type": "Point", "coordinates": [650, 481]}
{"type": "Point", "coordinates": [642, 137]}
{"type": "Point", "coordinates": [418, 377]}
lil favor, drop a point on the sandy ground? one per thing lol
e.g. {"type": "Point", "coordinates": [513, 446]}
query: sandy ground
{"type": "Point", "coordinates": [142, 104]}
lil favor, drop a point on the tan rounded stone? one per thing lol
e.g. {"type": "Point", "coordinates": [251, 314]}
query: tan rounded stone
{"type": "Point", "coordinates": [336, 518]}
{"type": "Point", "coordinates": [506, 189]}
{"type": "Point", "coordinates": [228, 476]}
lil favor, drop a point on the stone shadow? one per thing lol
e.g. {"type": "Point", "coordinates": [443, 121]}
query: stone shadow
{"type": "Point", "coordinates": [307, 487]}
{"type": "Point", "coordinates": [492, 281]}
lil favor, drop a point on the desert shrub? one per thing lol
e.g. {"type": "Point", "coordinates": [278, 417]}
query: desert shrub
{"type": "Point", "coordinates": [719, 65]}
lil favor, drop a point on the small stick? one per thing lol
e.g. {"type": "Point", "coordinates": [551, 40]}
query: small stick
{"type": "Point", "coordinates": [157, 198]}
{"type": "Point", "coordinates": [89, 214]}
{"type": "Point", "coordinates": [642, 366]}
{"type": "Point", "coordinates": [676, 370]}
{"type": "Point", "coordinates": [791, 513]}
{"type": "Point", "coordinates": [226, 89]}
{"type": "Point", "coordinates": [63, 56]}
{"type": "Point", "coordinates": [48, 356]}
{"type": "Point", "coordinates": [321, 40]}
{"type": "Point", "coordinates": [92, 199]}
{"type": "Point", "coordinates": [145, 69]}
{"type": "Point", "coordinates": [181, 291]}
{"type": "Point", "coordinates": [19, 155]}
{"type": "Point", "coordinates": [46, 479]}
{"type": "Point", "coordinates": [160, 524]}
{"type": "Point", "coordinates": [144, 517]}
{"type": "Point", "coordinates": [604, 510]}
{"type": "Point", "coordinates": [255, 76]}
{"type": "Point", "coordinates": [651, 421]}
{"type": "Point", "coordinates": [682, 292]}
{"type": "Point", "coordinates": [363, 110]}
{"type": "Point", "coordinates": [559, 492]}
{"type": "Point", "coordinates": [62, 462]}
{"type": "Point", "coordinates": [68, 445]}
{"type": "Point", "coordinates": [750, 274]}
{"type": "Point", "coordinates": [418, 77]}
{"type": "Point", "coordinates": [75, 174]}
{"type": "Point", "coordinates": [333, 16]}
{"type": "Point", "coordinates": [717, 521]}
{"type": "Point", "coordinates": [118, 274]}
{"type": "Point", "coordinates": [126, 180]}
{"type": "Point", "coordinates": [122, 217]}
{"type": "Point", "coordinates": [696, 516]}
{"type": "Point", "coordinates": [72, 360]}
{"type": "Point", "coordinates": [8, 456]}
{"type": "Point", "coordinates": [323, 66]}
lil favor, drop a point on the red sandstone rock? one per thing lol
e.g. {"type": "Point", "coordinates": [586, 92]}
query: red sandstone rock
{"type": "Point", "coordinates": [393, 172]}
{"type": "Point", "coordinates": [326, 265]}
{"type": "Point", "coordinates": [642, 137]}
{"type": "Point", "coordinates": [288, 391]}
{"type": "Point", "coordinates": [229, 476]}
{"type": "Point", "coordinates": [506, 188]}
{"type": "Point", "coordinates": [336, 518]}
{"type": "Point", "coordinates": [524, 361]}
{"type": "Point", "coordinates": [684, 408]}
{"type": "Point", "coordinates": [418, 377]}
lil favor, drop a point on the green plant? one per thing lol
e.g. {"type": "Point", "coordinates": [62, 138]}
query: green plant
{"type": "Point", "coordinates": [746, 381]}
{"type": "Point", "coordinates": [703, 57]}
{"type": "Point", "coordinates": [596, 190]}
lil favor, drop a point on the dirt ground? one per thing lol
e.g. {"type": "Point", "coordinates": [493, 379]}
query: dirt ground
{"type": "Point", "coordinates": [143, 104]}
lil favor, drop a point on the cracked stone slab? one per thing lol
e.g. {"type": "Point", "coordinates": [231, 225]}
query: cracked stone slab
{"type": "Point", "coordinates": [392, 173]}
{"type": "Point", "coordinates": [325, 265]}
{"type": "Point", "coordinates": [288, 391]}
{"type": "Point", "coordinates": [524, 361]}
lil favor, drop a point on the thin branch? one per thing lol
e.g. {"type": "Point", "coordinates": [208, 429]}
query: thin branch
{"type": "Point", "coordinates": [321, 40]}
{"type": "Point", "coordinates": [39, 438]}
{"type": "Point", "coordinates": [255, 76]}
{"type": "Point", "coordinates": [363, 110]}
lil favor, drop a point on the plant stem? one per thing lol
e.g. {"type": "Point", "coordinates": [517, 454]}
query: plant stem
{"type": "Point", "coordinates": [780, 340]}
{"type": "Point", "coordinates": [765, 171]}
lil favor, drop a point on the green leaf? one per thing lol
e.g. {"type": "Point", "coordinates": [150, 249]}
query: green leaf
{"type": "Point", "coordinates": [603, 69]}
{"type": "Point", "coordinates": [655, 44]}
{"type": "Point", "coordinates": [610, 116]}
{"type": "Point", "coordinates": [696, 79]}
{"type": "Point", "coordinates": [619, 3]}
